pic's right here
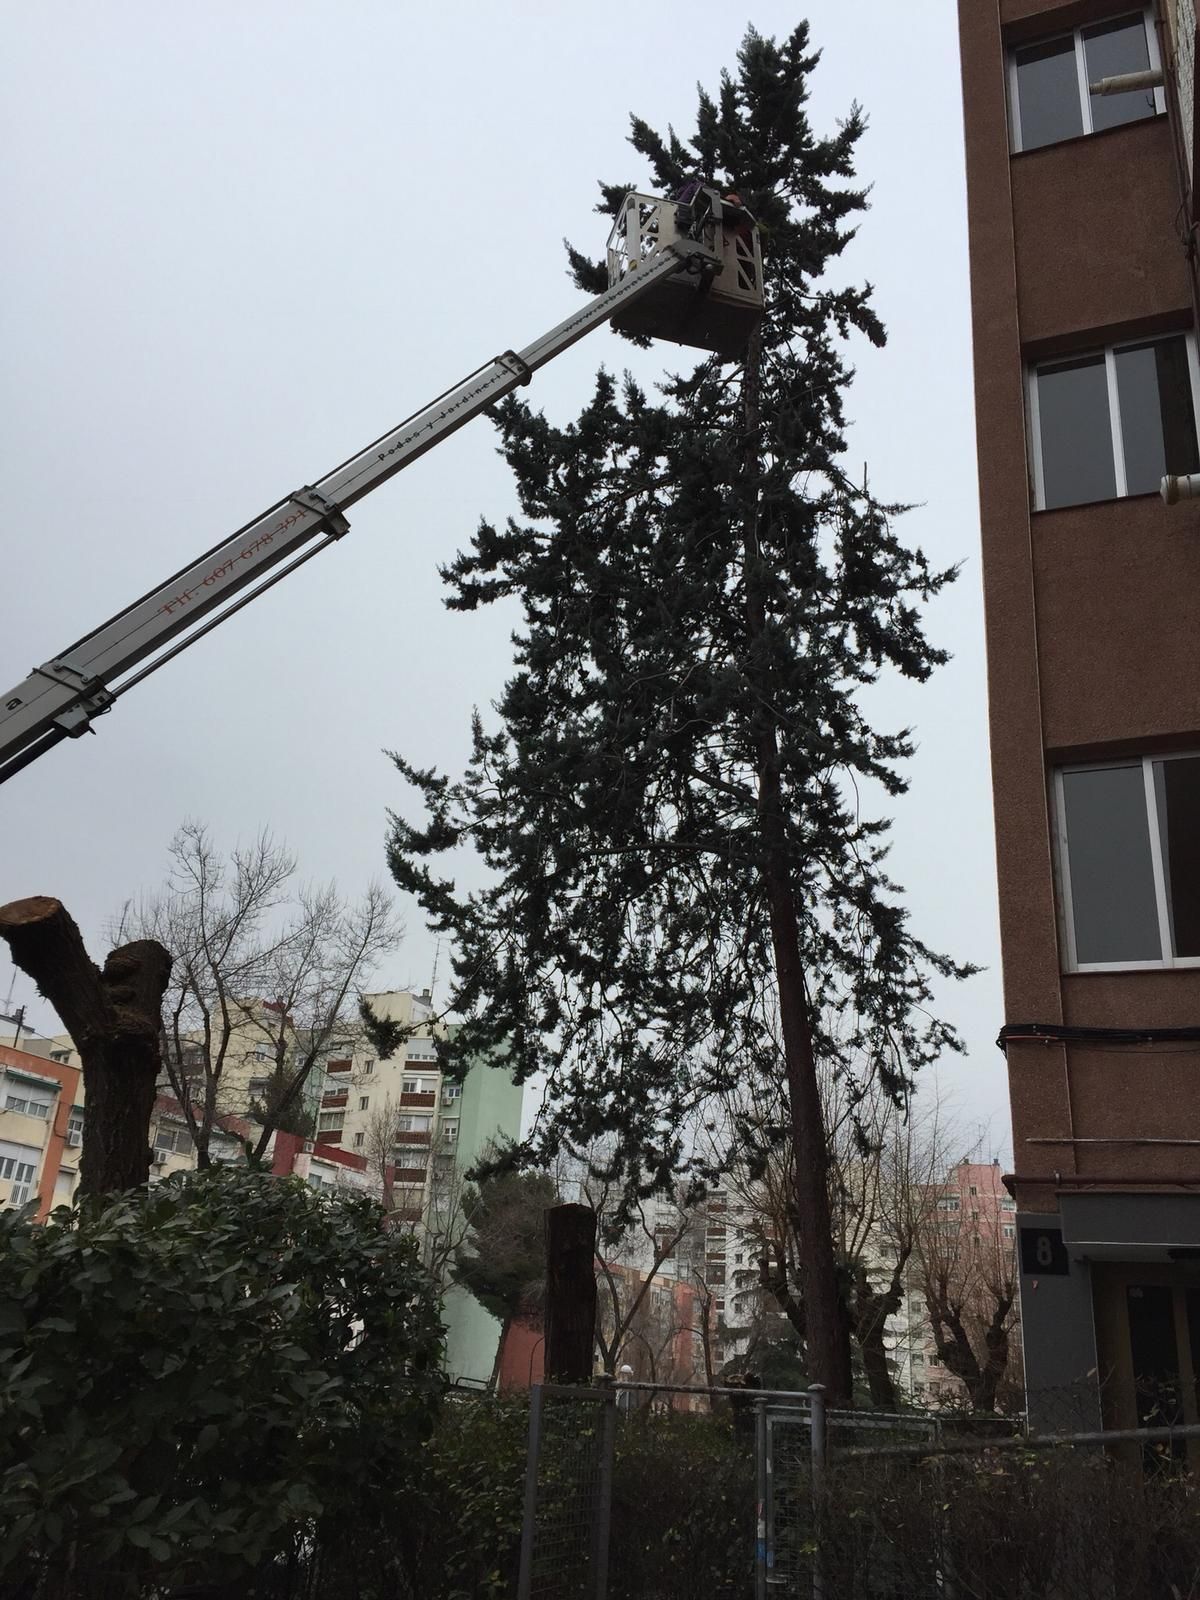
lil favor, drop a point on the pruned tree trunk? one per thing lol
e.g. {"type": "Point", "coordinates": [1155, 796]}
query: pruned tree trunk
{"type": "Point", "coordinates": [114, 1018]}
{"type": "Point", "coordinates": [871, 1311]}
{"type": "Point", "coordinates": [570, 1293]}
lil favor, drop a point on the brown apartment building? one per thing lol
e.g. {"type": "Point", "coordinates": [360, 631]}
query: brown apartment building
{"type": "Point", "coordinates": [1082, 237]}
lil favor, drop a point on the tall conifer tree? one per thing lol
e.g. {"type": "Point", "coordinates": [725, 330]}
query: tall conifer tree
{"type": "Point", "coordinates": [683, 889]}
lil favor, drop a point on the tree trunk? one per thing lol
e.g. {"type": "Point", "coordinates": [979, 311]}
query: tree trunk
{"type": "Point", "coordinates": [826, 1323]}
{"type": "Point", "coordinates": [878, 1374]}
{"type": "Point", "coordinates": [570, 1293]}
{"type": "Point", "coordinates": [871, 1313]}
{"type": "Point", "coordinates": [114, 1018]}
{"type": "Point", "coordinates": [493, 1383]}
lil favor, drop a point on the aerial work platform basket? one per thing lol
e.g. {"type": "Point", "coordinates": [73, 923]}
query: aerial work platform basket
{"type": "Point", "coordinates": [716, 307]}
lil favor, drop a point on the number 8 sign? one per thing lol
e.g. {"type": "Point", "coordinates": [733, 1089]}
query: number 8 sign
{"type": "Point", "coordinates": [1043, 1253]}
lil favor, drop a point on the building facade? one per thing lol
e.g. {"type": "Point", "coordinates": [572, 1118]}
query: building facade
{"type": "Point", "coordinates": [419, 1135]}
{"type": "Point", "coordinates": [1082, 230]}
{"type": "Point", "coordinates": [41, 1126]}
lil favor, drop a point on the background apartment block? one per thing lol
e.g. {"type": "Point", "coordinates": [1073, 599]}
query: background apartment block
{"type": "Point", "coordinates": [969, 1233]}
{"type": "Point", "coordinates": [418, 1135]}
{"type": "Point", "coordinates": [41, 1125]}
{"type": "Point", "coordinates": [1082, 235]}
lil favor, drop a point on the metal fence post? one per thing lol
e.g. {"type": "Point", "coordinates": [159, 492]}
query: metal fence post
{"type": "Point", "coordinates": [762, 1467]}
{"type": "Point", "coordinates": [529, 1514]}
{"type": "Point", "coordinates": [603, 1509]}
{"type": "Point", "coordinates": [818, 1443]}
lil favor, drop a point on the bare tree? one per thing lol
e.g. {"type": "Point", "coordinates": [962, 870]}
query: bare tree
{"type": "Point", "coordinates": [629, 1256]}
{"type": "Point", "coordinates": [883, 1161]}
{"type": "Point", "coordinates": [267, 971]}
{"type": "Point", "coordinates": [969, 1278]}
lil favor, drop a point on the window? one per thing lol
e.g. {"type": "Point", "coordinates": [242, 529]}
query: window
{"type": "Point", "coordinates": [1129, 862]}
{"type": "Point", "coordinates": [19, 1172]}
{"type": "Point", "coordinates": [368, 1067]}
{"type": "Point", "coordinates": [449, 1132]}
{"type": "Point", "coordinates": [949, 1202]}
{"type": "Point", "coordinates": [331, 1121]}
{"type": "Point", "coordinates": [1008, 1205]}
{"type": "Point", "coordinates": [358, 1140]}
{"type": "Point", "coordinates": [416, 1086]}
{"type": "Point", "coordinates": [413, 1124]}
{"type": "Point", "coordinates": [973, 1191]}
{"type": "Point", "coordinates": [364, 1100]}
{"type": "Point", "coordinates": [258, 1087]}
{"type": "Point", "coordinates": [22, 1185]}
{"type": "Point", "coordinates": [177, 1139]}
{"type": "Point", "coordinates": [1114, 422]}
{"type": "Point", "coordinates": [918, 1361]}
{"type": "Point", "coordinates": [1049, 82]}
{"type": "Point", "coordinates": [451, 1091]}
{"type": "Point", "coordinates": [75, 1121]}
{"type": "Point", "coordinates": [27, 1108]}
{"type": "Point", "coordinates": [1010, 1231]}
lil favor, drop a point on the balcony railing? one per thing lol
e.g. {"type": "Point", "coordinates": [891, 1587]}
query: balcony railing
{"type": "Point", "coordinates": [423, 1097]}
{"type": "Point", "coordinates": [419, 1136]}
{"type": "Point", "coordinates": [337, 1066]}
{"type": "Point", "coordinates": [334, 1098]}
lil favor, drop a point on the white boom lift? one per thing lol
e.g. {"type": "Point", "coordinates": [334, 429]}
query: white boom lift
{"type": "Point", "coordinates": [691, 273]}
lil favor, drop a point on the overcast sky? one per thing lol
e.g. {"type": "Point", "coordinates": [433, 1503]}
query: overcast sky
{"type": "Point", "coordinates": [245, 239]}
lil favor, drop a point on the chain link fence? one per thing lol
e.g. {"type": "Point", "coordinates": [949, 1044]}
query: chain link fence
{"type": "Point", "coordinates": [641, 1492]}
{"type": "Point", "coordinates": [568, 1490]}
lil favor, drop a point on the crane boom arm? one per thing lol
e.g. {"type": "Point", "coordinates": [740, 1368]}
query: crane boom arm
{"type": "Point", "coordinates": [59, 699]}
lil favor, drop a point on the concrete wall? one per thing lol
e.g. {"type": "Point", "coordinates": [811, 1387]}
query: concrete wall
{"type": "Point", "coordinates": [1059, 1332]}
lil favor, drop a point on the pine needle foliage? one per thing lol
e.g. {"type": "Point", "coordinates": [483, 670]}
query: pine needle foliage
{"type": "Point", "coordinates": [704, 598]}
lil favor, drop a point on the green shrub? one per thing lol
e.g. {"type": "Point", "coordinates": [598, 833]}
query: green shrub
{"type": "Point", "coordinates": [195, 1382]}
{"type": "Point", "coordinates": [683, 1509]}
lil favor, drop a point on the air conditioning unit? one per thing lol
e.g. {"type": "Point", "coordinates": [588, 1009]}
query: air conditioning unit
{"type": "Point", "coordinates": [74, 1138]}
{"type": "Point", "coordinates": [159, 1157]}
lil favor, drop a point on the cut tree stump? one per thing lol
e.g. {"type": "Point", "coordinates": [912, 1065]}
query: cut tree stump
{"type": "Point", "coordinates": [570, 1293]}
{"type": "Point", "coordinates": [114, 1016]}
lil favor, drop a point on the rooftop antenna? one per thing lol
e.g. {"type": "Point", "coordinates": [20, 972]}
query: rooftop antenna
{"type": "Point", "coordinates": [9, 1015]}
{"type": "Point", "coordinates": [433, 976]}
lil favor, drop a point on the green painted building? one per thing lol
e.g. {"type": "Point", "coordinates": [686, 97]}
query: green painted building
{"type": "Point", "coordinates": [488, 1109]}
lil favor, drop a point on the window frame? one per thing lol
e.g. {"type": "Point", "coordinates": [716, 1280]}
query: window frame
{"type": "Point", "coordinates": [1109, 352]}
{"type": "Point", "coordinates": [1081, 79]}
{"type": "Point", "coordinates": [1062, 866]}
